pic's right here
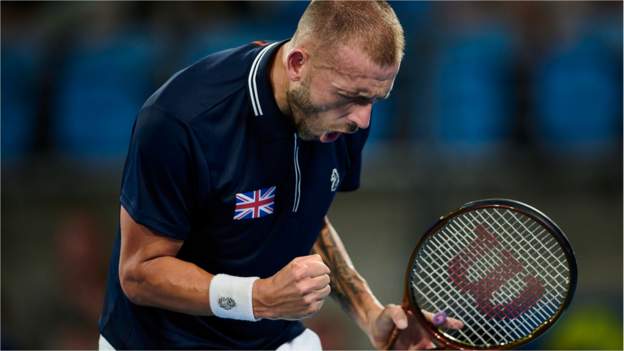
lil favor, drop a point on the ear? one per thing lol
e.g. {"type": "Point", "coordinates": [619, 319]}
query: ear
{"type": "Point", "coordinates": [295, 62]}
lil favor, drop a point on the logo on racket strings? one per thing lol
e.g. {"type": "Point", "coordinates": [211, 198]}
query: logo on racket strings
{"type": "Point", "coordinates": [483, 289]}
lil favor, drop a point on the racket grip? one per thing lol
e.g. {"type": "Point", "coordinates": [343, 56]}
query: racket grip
{"type": "Point", "coordinates": [392, 339]}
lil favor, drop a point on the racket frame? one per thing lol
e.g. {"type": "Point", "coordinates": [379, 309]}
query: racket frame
{"type": "Point", "coordinates": [446, 341]}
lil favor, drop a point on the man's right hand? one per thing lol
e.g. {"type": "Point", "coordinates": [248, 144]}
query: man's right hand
{"type": "Point", "coordinates": [295, 292]}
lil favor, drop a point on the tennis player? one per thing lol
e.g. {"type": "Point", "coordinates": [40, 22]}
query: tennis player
{"type": "Point", "coordinates": [224, 241]}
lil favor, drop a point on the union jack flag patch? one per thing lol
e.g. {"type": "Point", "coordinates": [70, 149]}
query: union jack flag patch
{"type": "Point", "coordinates": [254, 204]}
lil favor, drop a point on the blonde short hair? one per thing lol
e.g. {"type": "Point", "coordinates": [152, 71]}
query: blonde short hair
{"type": "Point", "coordinates": [371, 25]}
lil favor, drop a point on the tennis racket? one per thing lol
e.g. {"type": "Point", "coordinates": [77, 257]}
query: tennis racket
{"type": "Point", "coordinates": [502, 267]}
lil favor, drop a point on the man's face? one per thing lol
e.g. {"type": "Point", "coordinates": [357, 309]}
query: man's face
{"type": "Point", "coordinates": [333, 99]}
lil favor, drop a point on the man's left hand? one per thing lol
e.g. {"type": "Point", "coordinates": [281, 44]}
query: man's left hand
{"type": "Point", "coordinates": [412, 335]}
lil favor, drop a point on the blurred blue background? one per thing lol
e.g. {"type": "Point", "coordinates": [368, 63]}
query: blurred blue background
{"type": "Point", "coordinates": [494, 99]}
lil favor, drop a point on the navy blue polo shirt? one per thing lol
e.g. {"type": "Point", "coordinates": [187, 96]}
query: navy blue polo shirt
{"type": "Point", "coordinates": [214, 163]}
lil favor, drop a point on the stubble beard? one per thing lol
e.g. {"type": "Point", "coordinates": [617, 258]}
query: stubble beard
{"type": "Point", "coordinates": [304, 113]}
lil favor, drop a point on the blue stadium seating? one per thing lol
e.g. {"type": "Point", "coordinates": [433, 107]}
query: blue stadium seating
{"type": "Point", "coordinates": [20, 72]}
{"type": "Point", "coordinates": [471, 102]}
{"type": "Point", "coordinates": [100, 91]}
{"type": "Point", "coordinates": [577, 105]}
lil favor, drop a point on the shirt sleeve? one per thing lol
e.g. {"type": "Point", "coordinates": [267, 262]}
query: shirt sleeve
{"type": "Point", "coordinates": [355, 144]}
{"type": "Point", "coordinates": [157, 182]}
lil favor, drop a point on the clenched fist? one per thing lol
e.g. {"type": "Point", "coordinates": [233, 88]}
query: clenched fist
{"type": "Point", "coordinates": [297, 291]}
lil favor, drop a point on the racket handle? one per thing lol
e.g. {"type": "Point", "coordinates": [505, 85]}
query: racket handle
{"type": "Point", "coordinates": [392, 339]}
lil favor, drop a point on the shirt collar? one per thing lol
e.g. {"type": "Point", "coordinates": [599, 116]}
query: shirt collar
{"type": "Point", "coordinates": [266, 113]}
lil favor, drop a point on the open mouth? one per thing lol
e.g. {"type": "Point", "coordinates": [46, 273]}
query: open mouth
{"type": "Point", "coordinates": [330, 137]}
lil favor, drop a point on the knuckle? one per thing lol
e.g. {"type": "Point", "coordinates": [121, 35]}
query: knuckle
{"type": "Point", "coordinates": [323, 285]}
{"type": "Point", "coordinates": [308, 300]}
{"type": "Point", "coordinates": [299, 272]}
{"type": "Point", "coordinates": [300, 288]}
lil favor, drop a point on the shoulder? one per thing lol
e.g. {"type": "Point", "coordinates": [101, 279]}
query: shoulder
{"type": "Point", "coordinates": [156, 129]}
{"type": "Point", "coordinates": [205, 84]}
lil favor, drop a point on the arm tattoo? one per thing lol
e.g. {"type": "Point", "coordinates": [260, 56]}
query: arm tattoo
{"type": "Point", "coordinates": [348, 287]}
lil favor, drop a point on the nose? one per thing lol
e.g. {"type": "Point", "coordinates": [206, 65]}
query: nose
{"type": "Point", "coordinates": [361, 116]}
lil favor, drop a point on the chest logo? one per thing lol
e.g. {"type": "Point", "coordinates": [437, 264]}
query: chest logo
{"type": "Point", "coordinates": [254, 204]}
{"type": "Point", "coordinates": [335, 179]}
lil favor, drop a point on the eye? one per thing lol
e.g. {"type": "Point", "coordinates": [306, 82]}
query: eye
{"type": "Point", "coordinates": [357, 100]}
{"type": "Point", "coordinates": [345, 97]}
{"type": "Point", "coordinates": [363, 101]}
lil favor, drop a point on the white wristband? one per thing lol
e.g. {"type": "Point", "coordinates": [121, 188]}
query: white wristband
{"type": "Point", "coordinates": [231, 297]}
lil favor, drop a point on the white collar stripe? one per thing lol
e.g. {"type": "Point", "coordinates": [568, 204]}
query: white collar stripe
{"type": "Point", "coordinates": [251, 95]}
{"type": "Point", "coordinates": [253, 86]}
{"type": "Point", "coordinates": [254, 81]}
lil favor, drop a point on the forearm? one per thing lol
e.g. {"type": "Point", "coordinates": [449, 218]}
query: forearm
{"type": "Point", "coordinates": [170, 283]}
{"type": "Point", "coordinates": [348, 286]}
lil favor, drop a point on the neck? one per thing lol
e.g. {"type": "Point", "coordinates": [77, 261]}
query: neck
{"type": "Point", "coordinates": [279, 81]}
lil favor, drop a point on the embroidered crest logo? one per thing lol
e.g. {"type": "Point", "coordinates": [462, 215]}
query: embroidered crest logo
{"type": "Point", "coordinates": [335, 179]}
{"type": "Point", "coordinates": [227, 303]}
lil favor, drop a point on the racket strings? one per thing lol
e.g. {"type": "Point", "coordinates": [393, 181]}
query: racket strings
{"type": "Point", "coordinates": [470, 309]}
{"type": "Point", "coordinates": [550, 246]}
{"type": "Point", "coordinates": [505, 290]}
{"type": "Point", "coordinates": [491, 263]}
{"type": "Point", "coordinates": [458, 306]}
{"type": "Point", "coordinates": [538, 257]}
{"type": "Point", "coordinates": [543, 258]}
{"type": "Point", "coordinates": [550, 258]}
{"type": "Point", "coordinates": [500, 332]}
{"type": "Point", "coordinates": [494, 283]}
